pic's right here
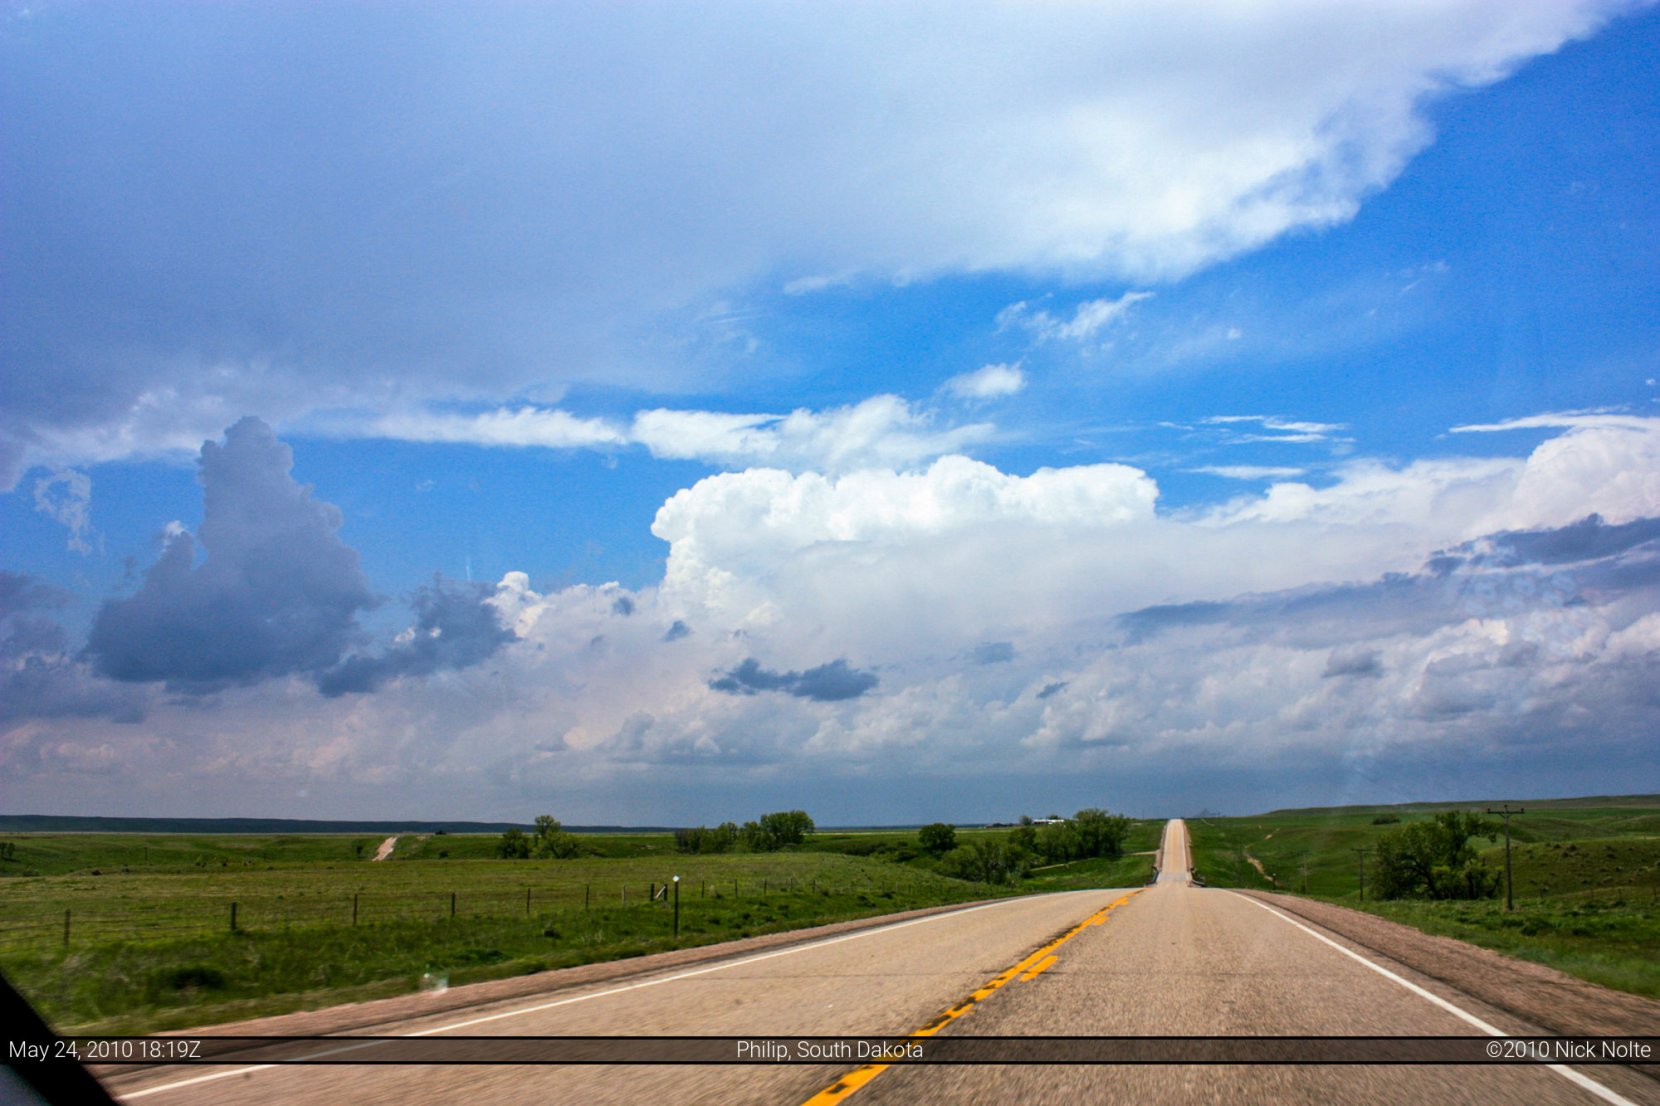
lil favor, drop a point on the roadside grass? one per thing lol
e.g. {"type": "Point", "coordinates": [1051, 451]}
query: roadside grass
{"type": "Point", "coordinates": [1587, 888]}
{"type": "Point", "coordinates": [150, 943]}
{"type": "Point", "coordinates": [1607, 937]}
{"type": "Point", "coordinates": [150, 950]}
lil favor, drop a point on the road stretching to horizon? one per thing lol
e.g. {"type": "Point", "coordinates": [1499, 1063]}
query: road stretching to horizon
{"type": "Point", "coordinates": [1171, 959]}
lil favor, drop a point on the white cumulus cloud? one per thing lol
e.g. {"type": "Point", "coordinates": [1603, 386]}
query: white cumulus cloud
{"type": "Point", "coordinates": [988, 382]}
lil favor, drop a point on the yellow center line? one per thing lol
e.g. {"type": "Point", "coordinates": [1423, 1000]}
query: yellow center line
{"type": "Point", "coordinates": [1042, 966]}
{"type": "Point", "coordinates": [1031, 965]}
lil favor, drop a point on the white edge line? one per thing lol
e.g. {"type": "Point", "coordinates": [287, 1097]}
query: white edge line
{"type": "Point", "coordinates": [595, 994]}
{"type": "Point", "coordinates": [1563, 1070]}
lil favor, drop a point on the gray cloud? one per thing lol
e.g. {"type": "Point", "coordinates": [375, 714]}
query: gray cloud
{"type": "Point", "coordinates": [38, 676]}
{"type": "Point", "coordinates": [677, 631]}
{"type": "Point", "coordinates": [993, 652]}
{"type": "Point", "coordinates": [275, 592]}
{"type": "Point", "coordinates": [831, 682]}
{"type": "Point", "coordinates": [455, 627]}
{"type": "Point", "coordinates": [1353, 662]}
{"type": "Point", "coordinates": [1588, 539]}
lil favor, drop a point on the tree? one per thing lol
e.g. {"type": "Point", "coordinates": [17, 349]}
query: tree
{"type": "Point", "coordinates": [1089, 833]}
{"type": "Point", "coordinates": [937, 838]}
{"type": "Point", "coordinates": [552, 842]}
{"type": "Point", "coordinates": [702, 839]}
{"type": "Point", "coordinates": [1435, 860]}
{"type": "Point", "coordinates": [514, 845]}
{"type": "Point", "coordinates": [1099, 833]}
{"type": "Point", "coordinates": [776, 830]}
{"type": "Point", "coordinates": [985, 861]}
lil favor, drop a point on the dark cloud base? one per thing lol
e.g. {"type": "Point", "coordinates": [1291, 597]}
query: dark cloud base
{"type": "Point", "coordinates": [827, 683]}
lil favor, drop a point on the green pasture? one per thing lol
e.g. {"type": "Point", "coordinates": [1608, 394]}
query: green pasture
{"type": "Point", "coordinates": [1587, 878]}
{"type": "Point", "coordinates": [134, 932]}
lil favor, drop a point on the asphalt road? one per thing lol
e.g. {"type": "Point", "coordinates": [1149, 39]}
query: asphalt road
{"type": "Point", "coordinates": [1170, 959]}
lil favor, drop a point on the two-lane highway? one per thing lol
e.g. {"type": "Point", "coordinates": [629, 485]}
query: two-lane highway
{"type": "Point", "coordinates": [1168, 960]}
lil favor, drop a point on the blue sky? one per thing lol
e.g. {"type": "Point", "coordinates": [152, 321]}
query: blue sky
{"type": "Point", "coordinates": [649, 413]}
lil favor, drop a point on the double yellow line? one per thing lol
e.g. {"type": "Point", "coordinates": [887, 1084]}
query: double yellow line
{"type": "Point", "coordinates": [1029, 968]}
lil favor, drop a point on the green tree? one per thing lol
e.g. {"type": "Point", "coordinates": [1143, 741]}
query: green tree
{"type": "Point", "coordinates": [985, 860]}
{"type": "Point", "coordinates": [514, 845]}
{"type": "Point", "coordinates": [552, 842]}
{"type": "Point", "coordinates": [1435, 860]}
{"type": "Point", "coordinates": [1099, 833]}
{"type": "Point", "coordinates": [776, 830]}
{"type": "Point", "coordinates": [937, 838]}
{"type": "Point", "coordinates": [702, 839]}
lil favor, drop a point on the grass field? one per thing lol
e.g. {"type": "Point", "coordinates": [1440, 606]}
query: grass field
{"type": "Point", "coordinates": [127, 933]}
{"type": "Point", "coordinates": [1587, 887]}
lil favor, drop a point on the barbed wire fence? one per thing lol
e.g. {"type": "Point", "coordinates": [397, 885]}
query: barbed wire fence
{"type": "Point", "coordinates": [81, 925]}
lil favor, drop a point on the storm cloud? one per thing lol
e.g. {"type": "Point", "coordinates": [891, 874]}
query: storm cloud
{"type": "Point", "coordinates": [456, 627]}
{"type": "Point", "coordinates": [827, 683]}
{"type": "Point", "coordinates": [39, 677]}
{"type": "Point", "coordinates": [275, 591]}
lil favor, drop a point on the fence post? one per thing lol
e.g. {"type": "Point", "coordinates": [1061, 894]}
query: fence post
{"type": "Point", "coordinates": [354, 908]}
{"type": "Point", "coordinates": [66, 927]}
{"type": "Point", "coordinates": [452, 904]}
{"type": "Point", "coordinates": [233, 917]}
{"type": "Point", "coordinates": [527, 902]}
{"type": "Point", "coordinates": [586, 887]}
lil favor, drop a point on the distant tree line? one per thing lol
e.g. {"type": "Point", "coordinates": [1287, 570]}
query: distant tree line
{"type": "Point", "coordinates": [770, 833]}
{"type": "Point", "coordinates": [1090, 833]}
{"type": "Point", "coordinates": [549, 842]}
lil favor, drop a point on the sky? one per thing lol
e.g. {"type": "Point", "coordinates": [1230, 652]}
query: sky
{"type": "Point", "coordinates": [661, 414]}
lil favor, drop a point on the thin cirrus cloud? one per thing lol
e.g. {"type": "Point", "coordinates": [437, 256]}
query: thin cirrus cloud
{"type": "Point", "coordinates": [1273, 428]}
{"type": "Point", "coordinates": [588, 194]}
{"type": "Point", "coordinates": [1088, 320]}
{"type": "Point", "coordinates": [1251, 472]}
{"type": "Point", "coordinates": [881, 431]}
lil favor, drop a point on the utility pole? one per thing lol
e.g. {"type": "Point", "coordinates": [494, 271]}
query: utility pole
{"type": "Point", "coordinates": [1362, 851]}
{"type": "Point", "coordinates": [1509, 897]}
